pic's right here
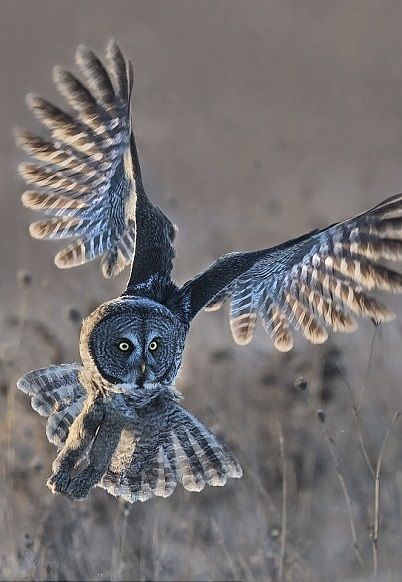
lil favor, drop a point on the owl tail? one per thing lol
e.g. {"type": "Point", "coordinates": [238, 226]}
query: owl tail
{"type": "Point", "coordinates": [167, 446]}
{"type": "Point", "coordinates": [56, 393]}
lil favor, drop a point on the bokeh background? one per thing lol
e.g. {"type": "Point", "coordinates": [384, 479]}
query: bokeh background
{"type": "Point", "coordinates": [255, 121]}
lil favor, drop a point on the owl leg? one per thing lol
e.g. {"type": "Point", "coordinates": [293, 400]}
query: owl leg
{"type": "Point", "coordinates": [80, 436]}
{"type": "Point", "coordinates": [99, 458]}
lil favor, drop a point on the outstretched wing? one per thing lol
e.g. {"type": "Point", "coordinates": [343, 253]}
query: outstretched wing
{"type": "Point", "coordinates": [87, 177]}
{"type": "Point", "coordinates": [318, 281]}
{"type": "Point", "coordinates": [57, 393]}
{"type": "Point", "coordinates": [168, 446]}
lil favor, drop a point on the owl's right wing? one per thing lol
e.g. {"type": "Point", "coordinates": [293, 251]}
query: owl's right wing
{"type": "Point", "coordinates": [166, 447]}
{"type": "Point", "coordinates": [87, 177]}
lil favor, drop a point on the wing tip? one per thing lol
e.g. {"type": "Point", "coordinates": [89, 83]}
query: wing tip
{"type": "Point", "coordinates": [236, 472]}
{"type": "Point", "coordinates": [60, 75]}
{"type": "Point", "coordinates": [27, 199]}
{"type": "Point", "coordinates": [84, 56]}
{"type": "Point", "coordinates": [81, 51]}
{"type": "Point", "coordinates": [213, 307]}
{"type": "Point", "coordinates": [284, 344]}
{"type": "Point", "coordinates": [32, 100]}
{"type": "Point", "coordinates": [24, 385]}
{"type": "Point", "coordinates": [192, 484]}
{"type": "Point", "coordinates": [242, 328]}
{"type": "Point", "coordinates": [112, 48]}
{"type": "Point", "coordinates": [112, 265]}
{"type": "Point", "coordinates": [384, 316]}
{"type": "Point", "coordinates": [37, 230]}
{"type": "Point", "coordinates": [242, 340]}
{"type": "Point", "coordinates": [20, 136]}
{"type": "Point", "coordinates": [61, 261]}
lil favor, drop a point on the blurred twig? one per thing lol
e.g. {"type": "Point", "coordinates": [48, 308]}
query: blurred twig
{"type": "Point", "coordinates": [39, 537]}
{"type": "Point", "coordinates": [221, 540]}
{"type": "Point", "coordinates": [313, 398]}
{"type": "Point", "coordinates": [356, 418]}
{"type": "Point", "coordinates": [10, 414]}
{"type": "Point", "coordinates": [377, 493]}
{"type": "Point", "coordinates": [369, 363]}
{"type": "Point", "coordinates": [118, 547]}
{"type": "Point", "coordinates": [318, 376]}
{"type": "Point", "coordinates": [284, 504]}
{"type": "Point", "coordinates": [346, 495]}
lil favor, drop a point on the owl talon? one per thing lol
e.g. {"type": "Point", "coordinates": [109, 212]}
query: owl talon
{"type": "Point", "coordinates": [58, 482]}
{"type": "Point", "coordinates": [78, 490]}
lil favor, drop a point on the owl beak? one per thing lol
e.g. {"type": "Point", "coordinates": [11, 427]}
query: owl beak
{"type": "Point", "coordinates": [142, 367]}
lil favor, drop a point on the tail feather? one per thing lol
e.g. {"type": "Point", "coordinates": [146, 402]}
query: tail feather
{"type": "Point", "coordinates": [179, 449]}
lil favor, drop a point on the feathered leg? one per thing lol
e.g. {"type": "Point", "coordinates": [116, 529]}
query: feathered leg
{"type": "Point", "coordinates": [80, 436]}
{"type": "Point", "coordinates": [99, 457]}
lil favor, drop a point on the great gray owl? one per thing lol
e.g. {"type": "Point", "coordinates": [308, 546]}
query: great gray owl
{"type": "Point", "coordinates": [115, 418]}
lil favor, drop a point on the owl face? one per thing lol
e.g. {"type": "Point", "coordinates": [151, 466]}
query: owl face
{"type": "Point", "coordinates": [135, 344]}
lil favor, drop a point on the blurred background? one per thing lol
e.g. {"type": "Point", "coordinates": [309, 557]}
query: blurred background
{"type": "Point", "coordinates": [255, 122]}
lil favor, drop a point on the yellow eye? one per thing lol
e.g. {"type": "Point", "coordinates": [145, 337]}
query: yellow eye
{"type": "Point", "coordinates": [153, 345]}
{"type": "Point", "coordinates": [124, 346]}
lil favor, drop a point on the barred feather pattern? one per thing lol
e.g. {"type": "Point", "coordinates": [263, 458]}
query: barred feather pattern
{"type": "Point", "coordinates": [167, 446]}
{"type": "Point", "coordinates": [320, 282]}
{"type": "Point", "coordinates": [83, 176]}
{"type": "Point", "coordinates": [243, 310]}
{"type": "Point", "coordinates": [220, 298]}
{"type": "Point", "coordinates": [56, 393]}
{"type": "Point", "coordinates": [157, 445]}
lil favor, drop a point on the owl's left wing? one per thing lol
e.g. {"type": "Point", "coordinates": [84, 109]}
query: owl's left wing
{"type": "Point", "coordinates": [317, 281]}
{"type": "Point", "coordinates": [57, 393]}
{"type": "Point", "coordinates": [87, 177]}
{"type": "Point", "coordinates": [166, 447]}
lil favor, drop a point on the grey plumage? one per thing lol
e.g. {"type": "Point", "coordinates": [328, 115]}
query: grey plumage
{"type": "Point", "coordinates": [119, 409]}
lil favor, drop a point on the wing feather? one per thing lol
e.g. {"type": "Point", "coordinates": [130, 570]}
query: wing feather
{"type": "Point", "coordinates": [243, 311]}
{"type": "Point", "coordinates": [55, 392]}
{"type": "Point", "coordinates": [87, 174]}
{"type": "Point", "coordinates": [84, 176]}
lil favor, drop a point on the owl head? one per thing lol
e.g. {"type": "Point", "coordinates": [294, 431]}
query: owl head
{"type": "Point", "coordinates": [133, 345]}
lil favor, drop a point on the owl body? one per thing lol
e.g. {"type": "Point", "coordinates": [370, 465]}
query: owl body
{"type": "Point", "coordinates": [118, 410]}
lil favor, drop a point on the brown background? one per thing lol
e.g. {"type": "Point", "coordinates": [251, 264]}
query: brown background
{"type": "Point", "coordinates": [256, 121]}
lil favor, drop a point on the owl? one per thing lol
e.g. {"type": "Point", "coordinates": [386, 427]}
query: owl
{"type": "Point", "coordinates": [116, 417]}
